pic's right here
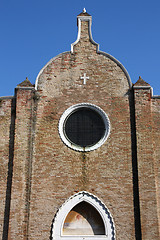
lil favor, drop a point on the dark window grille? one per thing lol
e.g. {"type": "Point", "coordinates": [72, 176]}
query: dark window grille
{"type": "Point", "coordinates": [84, 127]}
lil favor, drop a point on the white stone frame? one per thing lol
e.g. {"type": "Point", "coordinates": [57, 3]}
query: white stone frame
{"type": "Point", "coordinates": [68, 112]}
{"type": "Point", "coordinates": [61, 214]}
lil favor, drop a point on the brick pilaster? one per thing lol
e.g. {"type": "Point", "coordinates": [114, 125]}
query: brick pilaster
{"type": "Point", "coordinates": [145, 159]}
{"type": "Point", "coordinates": [21, 164]}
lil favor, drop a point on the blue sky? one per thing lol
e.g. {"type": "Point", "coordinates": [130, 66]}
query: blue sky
{"type": "Point", "coordinates": [34, 31]}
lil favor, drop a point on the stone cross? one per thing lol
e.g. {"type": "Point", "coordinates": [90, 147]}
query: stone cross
{"type": "Point", "coordinates": [84, 78]}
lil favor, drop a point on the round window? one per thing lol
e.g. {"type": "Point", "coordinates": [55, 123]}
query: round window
{"type": "Point", "coordinates": [84, 127]}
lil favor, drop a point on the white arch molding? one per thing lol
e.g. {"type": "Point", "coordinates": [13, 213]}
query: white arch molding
{"type": "Point", "coordinates": [69, 111]}
{"type": "Point", "coordinates": [58, 221]}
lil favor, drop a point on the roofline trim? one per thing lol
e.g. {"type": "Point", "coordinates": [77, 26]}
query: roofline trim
{"type": "Point", "coordinates": [148, 87]}
{"type": "Point", "coordinates": [142, 87]}
{"type": "Point", "coordinates": [7, 97]}
{"type": "Point", "coordinates": [26, 88]}
{"type": "Point", "coordinates": [51, 60]}
{"type": "Point", "coordinates": [118, 63]}
{"type": "Point", "coordinates": [99, 52]}
{"type": "Point", "coordinates": [156, 96]}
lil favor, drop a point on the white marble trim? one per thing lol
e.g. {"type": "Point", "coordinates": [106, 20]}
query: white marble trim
{"type": "Point", "coordinates": [68, 112]}
{"type": "Point", "coordinates": [61, 214]}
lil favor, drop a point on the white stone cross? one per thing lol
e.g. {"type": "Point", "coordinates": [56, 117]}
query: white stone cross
{"type": "Point", "coordinates": [84, 78]}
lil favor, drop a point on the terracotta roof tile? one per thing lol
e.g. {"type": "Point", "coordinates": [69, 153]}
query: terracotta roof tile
{"type": "Point", "coordinates": [141, 82]}
{"type": "Point", "coordinates": [84, 14]}
{"type": "Point", "coordinates": [25, 83]}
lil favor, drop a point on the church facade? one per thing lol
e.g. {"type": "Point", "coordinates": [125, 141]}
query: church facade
{"type": "Point", "coordinates": [80, 151]}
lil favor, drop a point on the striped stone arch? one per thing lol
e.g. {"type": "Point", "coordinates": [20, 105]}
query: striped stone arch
{"type": "Point", "coordinates": [83, 216]}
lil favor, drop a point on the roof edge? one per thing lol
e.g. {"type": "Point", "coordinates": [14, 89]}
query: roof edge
{"type": "Point", "coordinates": [51, 60]}
{"type": "Point", "coordinates": [118, 63]}
{"type": "Point", "coordinates": [98, 52]}
{"type": "Point", "coordinates": [7, 97]}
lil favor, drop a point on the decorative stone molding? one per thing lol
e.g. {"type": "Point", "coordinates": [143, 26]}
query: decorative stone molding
{"type": "Point", "coordinates": [80, 19]}
{"type": "Point", "coordinates": [58, 221]}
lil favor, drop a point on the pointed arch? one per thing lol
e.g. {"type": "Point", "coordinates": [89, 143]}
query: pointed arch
{"type": "Point", "coordinates": [96, 220]}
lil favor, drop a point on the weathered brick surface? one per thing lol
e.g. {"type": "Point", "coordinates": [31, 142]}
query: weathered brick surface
{"type": "Point", "coordinates": [46, 172]}
{"type": "Point", "coordinates": [59, 172]}
{"type": "Point", "coordinates": [156, 146]}
{"type": "Point", "coordinates": [5, 122]}
{"type": "Point", "coordinates": [147, 163]}
{"type": "Point", "coordinates": [22, 166]}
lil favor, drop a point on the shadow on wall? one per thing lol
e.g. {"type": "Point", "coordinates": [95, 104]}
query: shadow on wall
{"type": "Point", "coordinates": [136, 203]}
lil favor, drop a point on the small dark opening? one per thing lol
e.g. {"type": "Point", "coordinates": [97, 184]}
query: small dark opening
{"type": "Point", "coordinates": [84, 127]}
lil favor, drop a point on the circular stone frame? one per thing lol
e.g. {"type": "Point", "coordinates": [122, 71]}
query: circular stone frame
{"type": "Point", "coordinates": [74, 108]}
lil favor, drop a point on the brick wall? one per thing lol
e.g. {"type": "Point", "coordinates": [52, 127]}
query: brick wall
{"type": "Point", "coordinates": [6, 159]}
{"type": "Point", "coordinates": [59, 172]}
{"type": "Point", "coordinates": [156, 144]}
{"type": "Point", "coordinates": [22, 164]}
{"type": "Point", "coordinates": [146, 163]}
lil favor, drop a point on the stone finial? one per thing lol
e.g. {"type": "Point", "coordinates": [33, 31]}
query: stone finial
{"type": "Point", "coordinates": [25, 83]}
{"type": "Point", "coordinates": [141, 82]}
{"type": "Point", "coordinates": [84, 10]}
